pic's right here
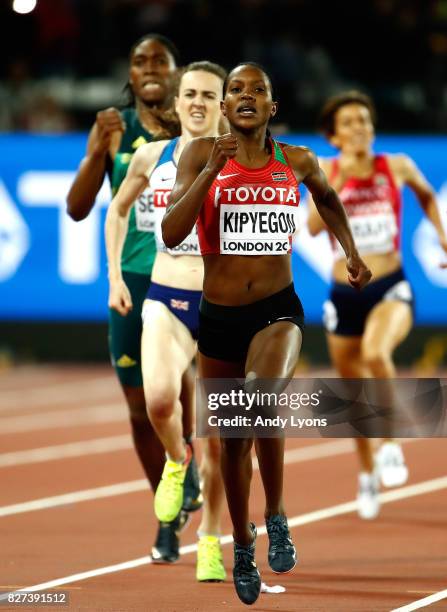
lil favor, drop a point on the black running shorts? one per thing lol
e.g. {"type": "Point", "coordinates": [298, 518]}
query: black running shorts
{"type": "Point", "coordinates": [346, 310]}
{"type": "Point", "coordinates": [225, 332]}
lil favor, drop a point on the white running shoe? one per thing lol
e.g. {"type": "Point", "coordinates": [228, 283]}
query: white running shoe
{"type": "Point", "coordinates": [390, 465]}
{"type": "Point", "coordinates": [368, 503]}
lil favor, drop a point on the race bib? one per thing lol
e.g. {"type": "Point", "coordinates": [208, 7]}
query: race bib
{"type": "Point", "coordinates": [372, 233]}
{"type": "Point", "coordinates": [144, 211]}
{"type": "Point", "coordinates": [257, 229]}
{"type": "Point", "coordinates": [190, 246]}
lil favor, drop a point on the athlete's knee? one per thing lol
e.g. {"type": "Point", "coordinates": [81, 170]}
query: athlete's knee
{"type": "Point", "coordinates": [376, 359]}
{"type": "Point", "coordinates": [348, 370]}
{"type": "Point", "coordinates": [160, 401]}
{"type": "Point", "coordinates": [236, 448]}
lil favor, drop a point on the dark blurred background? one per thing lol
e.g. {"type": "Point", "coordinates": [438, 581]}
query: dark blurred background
{"type": "Point", "coordinates": [67, 58]}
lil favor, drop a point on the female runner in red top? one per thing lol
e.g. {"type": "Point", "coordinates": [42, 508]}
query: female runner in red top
{"type": "Point", "coordinates": [363, 329]}
{"type": "Point", "coordinates": [250, 317]}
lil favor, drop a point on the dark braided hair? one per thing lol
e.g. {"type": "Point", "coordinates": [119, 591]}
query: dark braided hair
{"type": "Point", "coordinates": [163, 40]}
{"type": "Point", "coordinates": [169, 46]}
{"type": "Point", "coordinates": [252, 65]}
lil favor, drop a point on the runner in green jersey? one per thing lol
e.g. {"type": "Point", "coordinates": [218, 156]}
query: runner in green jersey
{"type": "Point", "coordinates": [113, 139]}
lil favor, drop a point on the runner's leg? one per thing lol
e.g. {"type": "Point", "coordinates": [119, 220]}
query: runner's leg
{"type": "Point", "coordinates": [346, 355]}
{"type": "Point", "coordinates": [236, 462]}
{"type": "Point", "coordinates": [273, 354]}
{"type": "Point", "coordinates": [167, 351]}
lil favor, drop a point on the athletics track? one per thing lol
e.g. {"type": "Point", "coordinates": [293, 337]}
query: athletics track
{"type": "Point", "coordinates": [76, 515]}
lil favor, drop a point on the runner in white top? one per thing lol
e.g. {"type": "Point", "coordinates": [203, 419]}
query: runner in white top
{"type": "Point", "coordinates": [170, 312]}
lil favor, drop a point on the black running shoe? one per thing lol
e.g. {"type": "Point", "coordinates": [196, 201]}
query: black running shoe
{"type": "Point", "coordinates": [282, 553]}
{"type": "Point", "coordinates": [166, 547]}
{"type": "Point", "coordinates": [183, 520]}
{"type": "Point", "coordinates": [246, 577]}
{"type": "Point", "coordinates": [192, 495]}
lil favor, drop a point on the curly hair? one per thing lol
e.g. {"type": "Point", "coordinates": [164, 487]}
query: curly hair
{"type": "Point", "coordinates": [326, 121]}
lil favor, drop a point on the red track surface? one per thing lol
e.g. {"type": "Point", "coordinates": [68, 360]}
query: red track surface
{"type": "Point", "coordinates": [345, 564]}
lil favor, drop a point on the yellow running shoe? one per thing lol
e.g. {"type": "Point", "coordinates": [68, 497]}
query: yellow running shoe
{"type": "Point", "coordinates": [210, 566]}
{"type": "Point", "coordinates": [169, 494]}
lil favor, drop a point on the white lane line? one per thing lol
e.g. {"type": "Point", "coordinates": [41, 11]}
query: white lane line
{"type": "Point", "coordinates": [427, 486]}
{"type": "Point", "coordinates": [123, 442]}
{"type": "Point", "coordinates": [319, 451]}
{"type": "Point", "coordinates": [72, 392]}
{"type": "Point", "coordinates": [296, 455]}
{"type": "Point", "coordinates": [57, 393]}
{"type": "Point", "coordinates": [121, 488]}
{"type": "Point", "coordinates": [422, 603]}
{"type": "Point", "coordinates": [104, 413]}
{"type": "Point", "coordinates": [304, 519]}
{"type": "Point", "coordinates": [66, 451]}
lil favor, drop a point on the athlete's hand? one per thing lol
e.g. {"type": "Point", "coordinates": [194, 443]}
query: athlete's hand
{"type": "Point", "coordinates": [225, 148]}
{"type": "Point", "coordinates": [119, 298]}
{"type": "Point", "coordinates": [107, 122]}
{"type": "Point", "coordinates": [358, 273]}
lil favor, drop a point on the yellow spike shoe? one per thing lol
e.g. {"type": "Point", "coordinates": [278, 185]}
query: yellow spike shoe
{"type": "Point", "coordinates": [210, 567]}
{"type": "Point", "coordinates": [169, 494]}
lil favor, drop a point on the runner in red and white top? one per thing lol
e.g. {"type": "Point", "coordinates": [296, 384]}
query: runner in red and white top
{"type": "Point", "coordinates": [373, 205]}
{"type": "Point", "coordinates": [257, 209]}
{"type": "Point", "coordinates": [251, 320]}
{"type": "Point", "coordinates": [363, 329]}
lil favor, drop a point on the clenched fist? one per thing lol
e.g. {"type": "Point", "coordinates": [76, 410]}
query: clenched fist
{"type": "Point", "coordinates": [225, 148]}
{"type": "Point", "coordinates": [119, 298]}
{"type": "Point", "coordinates": [107, 122]}
{"type": "Point", "coordinates": [358, 272]}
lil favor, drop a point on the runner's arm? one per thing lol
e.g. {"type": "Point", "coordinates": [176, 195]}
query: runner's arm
{"type": "Point", "coordinates": [331, 210]}
{"type": "Point", "coordinates": [315, 223]}
{"type": "Point", "coordinates": [199, 164]}
{"type": "Point", "coordinates": [413, 177]}
{"type": "Point", "coordinates": [105, 132]}
{"type": "Point", "coordinates": [117, 219]}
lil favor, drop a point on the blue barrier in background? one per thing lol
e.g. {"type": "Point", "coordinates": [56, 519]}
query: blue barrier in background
{"type": "Point", "coordinates": [54, 269]}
